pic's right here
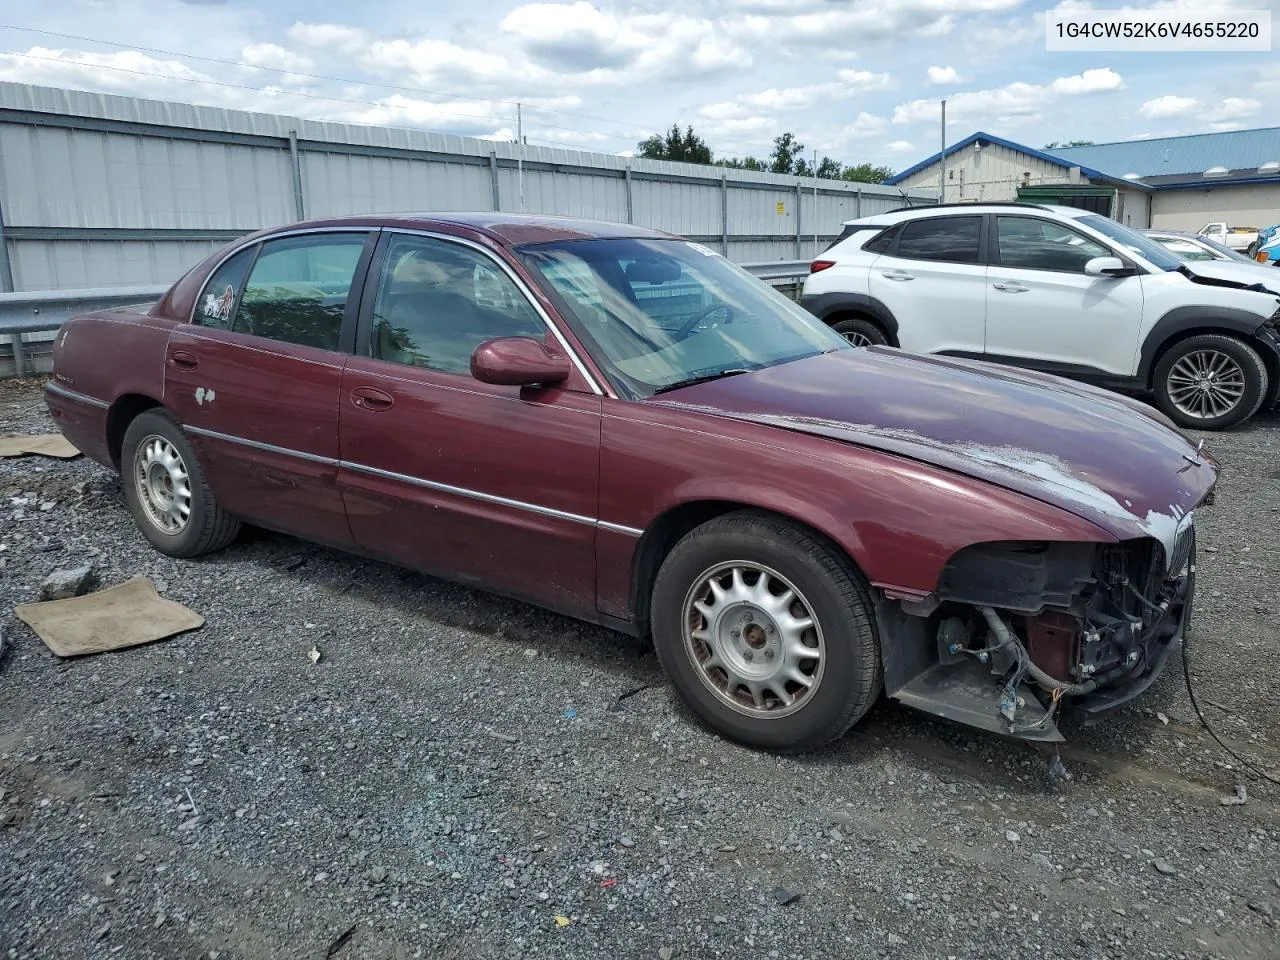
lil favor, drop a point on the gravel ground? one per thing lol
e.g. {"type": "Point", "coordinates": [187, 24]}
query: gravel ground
{"type": "Point", "coordinates": [462, 776]}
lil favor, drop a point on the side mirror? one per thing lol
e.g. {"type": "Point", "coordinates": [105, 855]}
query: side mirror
{"type": "Point", "coordinates": [1107, 267]}
{"type": "Point", "coordinates": [519, 362]}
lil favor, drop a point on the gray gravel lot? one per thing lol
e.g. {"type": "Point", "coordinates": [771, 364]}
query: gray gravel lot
{"type": "Point", "coordinates": [458, 772]}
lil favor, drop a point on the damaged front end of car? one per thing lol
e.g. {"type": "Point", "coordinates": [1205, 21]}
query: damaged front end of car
{"type": "Point", "coordinates": [1017, 632]}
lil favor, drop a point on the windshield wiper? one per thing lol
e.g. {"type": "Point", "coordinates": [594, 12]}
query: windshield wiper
{"type": "Point", "coordinates": [705, 378]}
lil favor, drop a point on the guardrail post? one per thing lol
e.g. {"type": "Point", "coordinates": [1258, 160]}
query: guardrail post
{"type": "Point", "coordinates": [724, 214]}
{"type": "Point", "coordinates": [19, 355]}
{"type": "Point", "coordinates": [799, 200]}
{"type": "Point", "coordinates": [493, 180]}
{"type": "Point", "coordinates": [631, 201]}
{"type": "Point", "coordinates": [6, 269]}
{"type": "Point", "coordinates": [299, 205]}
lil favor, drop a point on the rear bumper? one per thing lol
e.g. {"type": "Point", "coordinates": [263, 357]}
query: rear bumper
{"type": "Point", "coordinates": [81, 419]}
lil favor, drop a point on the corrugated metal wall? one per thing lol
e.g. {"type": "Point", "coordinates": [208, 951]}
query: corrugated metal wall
{"type": "Point", "coordinates": [100, 190]}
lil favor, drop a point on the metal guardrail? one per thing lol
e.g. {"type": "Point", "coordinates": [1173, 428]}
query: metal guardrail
{"type": "Point", "coordinates": [29, 320]}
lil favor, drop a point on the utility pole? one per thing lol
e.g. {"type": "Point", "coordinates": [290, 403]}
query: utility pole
{"type": "Point", "coordinates": [815, 202]}
{"type": "Point", "coordinates": [520, 156]}
{"type": "Point", "coordinates": [942, 179]}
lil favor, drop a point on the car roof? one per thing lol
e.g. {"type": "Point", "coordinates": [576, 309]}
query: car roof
{"type": "Point", "coordinates": [966, 209]}
{"type": "Point", "coordinates": [512, 229]}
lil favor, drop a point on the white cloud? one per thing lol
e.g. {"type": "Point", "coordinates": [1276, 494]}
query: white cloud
{"type": "Point", "coordinates": [275, 57]}
{"type": "Point", "coordinates": [1234, 108]}
{"type": "Point", "coordinates": [944, 75]}
{"type": "Point", "coordinates": [848, 84]}
{"type": "Point", "coordinates": [900, 146]}
{"type": "Point", "coordinates": [1268, 79]}
{"type": "Point", "coordinates": [1011, 103]}
{"type": "Point", "coordinates": [864, 21]}
{"type": "Point", "coordinates": [1168, 106]}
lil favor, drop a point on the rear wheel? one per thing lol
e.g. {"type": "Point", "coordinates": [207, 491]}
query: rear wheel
{"type": "Point", "coordinates": [1210, 382]}
{"type": "Point", "coordinates": [860, 332]}
{"type": "Point", "coordinates": [766, 632]}
{"type": "Point", "coordinates": [166, 491]}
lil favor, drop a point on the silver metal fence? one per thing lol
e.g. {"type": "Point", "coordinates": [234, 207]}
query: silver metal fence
{"type": "Point", "coordinates": [103, 190]}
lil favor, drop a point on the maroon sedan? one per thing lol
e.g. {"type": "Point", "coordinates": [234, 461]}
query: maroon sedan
{"type": "Point", "coordinates": [622, 426]}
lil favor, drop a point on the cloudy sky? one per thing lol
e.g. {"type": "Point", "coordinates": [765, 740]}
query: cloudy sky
{"type": "Point", "coordinates": [857, 79]}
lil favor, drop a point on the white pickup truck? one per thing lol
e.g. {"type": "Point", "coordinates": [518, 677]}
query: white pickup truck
{"type": "Point", "coordinates": [1237, 238]}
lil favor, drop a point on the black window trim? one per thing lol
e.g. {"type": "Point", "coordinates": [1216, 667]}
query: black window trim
{"type": "Point", "coordinates": [360, 341]}
{"type": "Point", "coordinates": [983, 244]}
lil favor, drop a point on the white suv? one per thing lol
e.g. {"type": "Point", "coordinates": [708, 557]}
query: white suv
{"type": "Point", "coordinates": [1061, 291]}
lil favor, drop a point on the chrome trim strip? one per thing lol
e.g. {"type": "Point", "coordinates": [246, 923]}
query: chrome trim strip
{"type": "Point", "coordinates": [419, 482]}
{"type": "Point", "coordinates": [470, 494]}
{"type": "Point", "coordinates": [54, 387]}
{"type": "Point", "coordinates": [524, 290]}
{"type": "Point", "coordinates": [619, 528]}
{"type": "Point", "coordinates": [258, 445]}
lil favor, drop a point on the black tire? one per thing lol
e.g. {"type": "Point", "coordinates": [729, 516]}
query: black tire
{"type": "Point", "coordinates": [1245, 357]}
{"type": "Point", "coordinates": [856, 330]}
{"type": "Point", "coordinates": [208, 527]}
{"type": "Point", "coordinates": [839, 602]}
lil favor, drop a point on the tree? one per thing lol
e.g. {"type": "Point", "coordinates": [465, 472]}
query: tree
{"type": "Point", "coordinates": [1069, 143]}
{"type": "Point", "coordinates": [866, 173]}
{"type": "Point", "coordinates": [685, 147]}
{"type": "Point", "coordinates": [786, 151]}
{"type": "Point", "coordinates": [830, 169]}
{"type": "Point", "coordinates": [743, 163]}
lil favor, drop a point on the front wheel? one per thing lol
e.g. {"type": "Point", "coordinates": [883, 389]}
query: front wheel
{"type": "Point", "coordinates": [766, 632]}
{"type": "Point", "coordinates": [1210, 382]}
{"type": "Point", "coordinates": [166, 491]}
{"type": "Point", "coordinates": [860, 332]}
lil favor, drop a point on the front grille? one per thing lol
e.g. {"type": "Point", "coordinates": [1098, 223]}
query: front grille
{"type": "Point", "coordinates": [1182, 549]}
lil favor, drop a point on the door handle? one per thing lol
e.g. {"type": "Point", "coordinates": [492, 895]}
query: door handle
{"type": "Point", "coordinates": [897, 275]}
{"type": "Point", "coordinates": [184, 360]}
{"type": "Point", "coordinates": [1009, 287]}
{"type": "Point", "coordinates": [371, 398]}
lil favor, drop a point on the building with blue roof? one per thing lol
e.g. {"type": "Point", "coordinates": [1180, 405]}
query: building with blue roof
{"type": "Point", "coordinates": [1173, 183]}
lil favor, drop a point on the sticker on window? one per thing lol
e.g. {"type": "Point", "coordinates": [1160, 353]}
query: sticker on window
{"type": "Point", "coordinates": [705, 251]}
{"type": "Point", "coordinates": [219, 308]}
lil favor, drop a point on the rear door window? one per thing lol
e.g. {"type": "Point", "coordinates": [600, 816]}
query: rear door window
{"type": "Point", "coordinates": [217, 303]}
{"type": "Point", "coordinates": [297, 291]}
{"type": "Point", "coordinates": [945, 239]}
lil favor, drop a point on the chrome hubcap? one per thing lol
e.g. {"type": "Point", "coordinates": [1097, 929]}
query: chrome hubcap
{"type": "Point", "coordinates": [857, 339]}
{"type": "Point", "coordinates": [753, 639]}
{"type": "Point", "coordinates": [164, 488]}
{"type": "Point", "coordinates": [1206, 384]}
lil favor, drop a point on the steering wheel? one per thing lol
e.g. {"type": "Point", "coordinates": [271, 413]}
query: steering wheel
{"type": "Point", "coordinates": [701, 315]}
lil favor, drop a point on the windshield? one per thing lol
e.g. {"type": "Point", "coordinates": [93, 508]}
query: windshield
{"type": "Point", "coordinates": [1134, 242]}
{"type": "Point", "coordinates": [1224, 250]}
{"type": "Point", "coordinates": [658, 314]}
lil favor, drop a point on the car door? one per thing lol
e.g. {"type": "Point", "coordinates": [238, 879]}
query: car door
{"type": "Point", "coordinates": [485, 484]}
{"type": "Point", "coordinates": [1044, 311]}
{"type": "Point", "coordinates": [932, 280]}
{"type": "Point", "coordinates": [255, 378]}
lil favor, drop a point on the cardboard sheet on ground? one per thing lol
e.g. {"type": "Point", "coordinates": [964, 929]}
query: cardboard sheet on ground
{"type": "Point", "coordinates": [44, 444]}
{"type": "Point", "coordinates": [122, 616]}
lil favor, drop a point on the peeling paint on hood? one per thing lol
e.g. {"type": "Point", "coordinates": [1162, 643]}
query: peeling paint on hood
{"type": "Point", "coordinates": [1101, 456]}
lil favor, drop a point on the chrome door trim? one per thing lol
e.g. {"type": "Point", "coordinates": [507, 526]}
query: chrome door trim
{"type": "Point", "coordinates": [259, 445]}
{"type": "Point", "coordinates": [419, 482]}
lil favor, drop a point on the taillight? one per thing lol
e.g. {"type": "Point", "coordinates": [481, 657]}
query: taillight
{"type": "Point", "coordinates": [819, 265]}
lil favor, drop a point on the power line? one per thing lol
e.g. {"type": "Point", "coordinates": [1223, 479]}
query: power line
{"type": "Point", "coordinates": [317, 76]}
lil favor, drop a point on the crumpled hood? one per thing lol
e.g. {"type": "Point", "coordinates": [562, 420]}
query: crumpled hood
{"type": "Point", "coordinates": [1101, 456]}
{"type": "Point", "coordinates": [1239, 276]}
